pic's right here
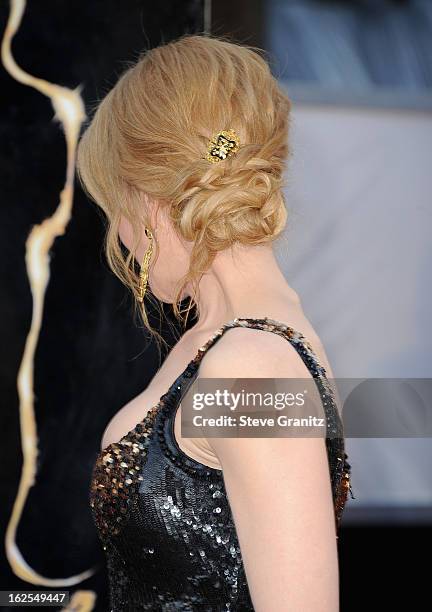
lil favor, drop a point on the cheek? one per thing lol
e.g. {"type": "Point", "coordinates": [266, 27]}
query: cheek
{"type": "Point", "coordinates": [125, 233]}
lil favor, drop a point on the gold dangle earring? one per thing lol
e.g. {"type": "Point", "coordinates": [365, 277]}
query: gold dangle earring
{"type": "Point", "coordinates": [144, 271]}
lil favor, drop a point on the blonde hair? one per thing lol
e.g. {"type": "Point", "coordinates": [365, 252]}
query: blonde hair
{"type": "Point", "coordinates": [150, 133]}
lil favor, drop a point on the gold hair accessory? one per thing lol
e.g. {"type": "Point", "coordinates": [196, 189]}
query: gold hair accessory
{"type": "Point", "coordinates": [222, 145]}
{"type": "Point", "coordinates": [144, 271]}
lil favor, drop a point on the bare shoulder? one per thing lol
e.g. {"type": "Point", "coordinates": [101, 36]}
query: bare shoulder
{"type": "Point", "coordinates": [250, 353]}
{"type": "Point", "coordinates": [253, 353]}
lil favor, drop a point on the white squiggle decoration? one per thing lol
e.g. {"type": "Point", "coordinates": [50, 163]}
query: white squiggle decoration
{"type": "Point", "coordinates": [70, 112]}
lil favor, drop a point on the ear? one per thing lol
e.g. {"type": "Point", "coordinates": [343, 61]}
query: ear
{"type": "Point", "coordinates": [151, 208]}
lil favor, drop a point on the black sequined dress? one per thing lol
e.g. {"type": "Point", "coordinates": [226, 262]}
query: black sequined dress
{"type": "Point", "coordinates": [164, 519]}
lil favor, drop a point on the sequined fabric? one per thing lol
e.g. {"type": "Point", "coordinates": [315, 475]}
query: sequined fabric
{"type": "Point", "coordinates": [164, 519]}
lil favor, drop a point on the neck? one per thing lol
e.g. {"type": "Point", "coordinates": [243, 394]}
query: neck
{"type": "Point", "coordinates": [244, 281]}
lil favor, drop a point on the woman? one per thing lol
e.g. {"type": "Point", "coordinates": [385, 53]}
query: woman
{"type": "Point", "coordinates": [185, 155]}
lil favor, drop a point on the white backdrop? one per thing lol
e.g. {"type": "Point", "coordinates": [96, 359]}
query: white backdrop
{"type": "Point", "coordinates": [358, 250]}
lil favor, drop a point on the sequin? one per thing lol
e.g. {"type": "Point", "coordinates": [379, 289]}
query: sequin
{"type": "Point", "coordinates": [164, 519]}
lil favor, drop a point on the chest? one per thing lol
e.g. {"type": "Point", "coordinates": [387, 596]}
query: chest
{"type": "Point", "coordinates": [136, 409]}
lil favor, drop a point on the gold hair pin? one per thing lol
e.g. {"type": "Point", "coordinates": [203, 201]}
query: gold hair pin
{"type": "Point", "coordinates": [222, 145]}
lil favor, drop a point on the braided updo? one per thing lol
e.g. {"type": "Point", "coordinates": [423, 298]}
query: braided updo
{"type": "Point", "coordinates": [150, 134]}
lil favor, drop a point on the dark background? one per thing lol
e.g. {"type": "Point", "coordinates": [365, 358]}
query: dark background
{"type": "Point", "coordinates": [92, 357]}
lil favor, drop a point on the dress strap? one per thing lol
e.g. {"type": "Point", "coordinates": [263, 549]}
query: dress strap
{"type": "Point", "coordinates": [182, 384]}
{"type": "Point", "coordinates": [297, 339]}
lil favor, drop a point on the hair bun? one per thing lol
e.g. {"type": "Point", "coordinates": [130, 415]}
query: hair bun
{"type": "Point", "coordinates": [150, 135]}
